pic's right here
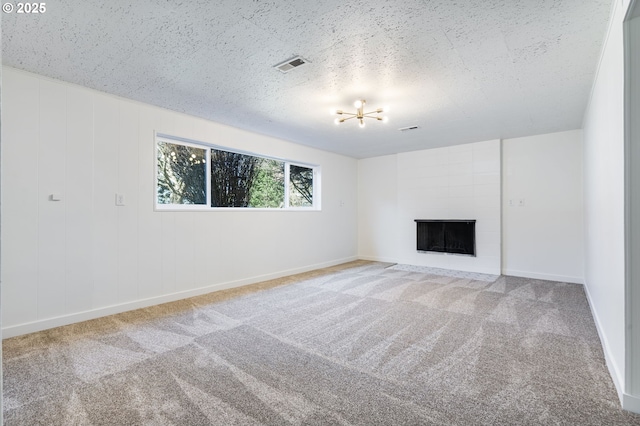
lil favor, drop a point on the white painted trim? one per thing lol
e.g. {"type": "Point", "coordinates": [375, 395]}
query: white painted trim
{"type": "Point", "coordinates": [540, 276]}
{"type": "Point", "coordinates": [44, 324]}
{"type": "Point", "coordinates": [631, 31]}
{"type": "Point", "coordinates": [633, 10]}
{"type": "Point", "coordinates": [631, 403]}
{"type": "Point", "coordinates": [207, 147]}
{"type": "Point", "coordinates": [614, 371]}
{"type": "Point", "coordinates": [378, 259]}
{"type": "Point", "coordinates": [629, 270]}
{"type": "Point", "coordinates": [1, 298]}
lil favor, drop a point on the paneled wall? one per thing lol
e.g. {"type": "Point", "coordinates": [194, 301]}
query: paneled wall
{"type": "Point", "coordinates": [538, 234]}
{"type": "Point", "coordinates": [459, 182]}
{"type": "Point", "coordinates": [542, 209]}
{"type": "Point", "coordinates": [632, 152]}
{"type": "Point", "coordinates": [378, 208]}
{"type": "Point", "coordinates": [603, 140]}
{"type": "Point", "coordinates": [83, 256]}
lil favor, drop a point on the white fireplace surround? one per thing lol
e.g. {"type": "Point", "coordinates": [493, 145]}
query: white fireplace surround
{"type": "Point", "coordinates": [459, 182]}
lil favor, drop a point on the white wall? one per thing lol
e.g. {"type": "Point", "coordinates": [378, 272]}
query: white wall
{"type": "Point", "coordinates": [84, 257]}
{"type": "Point", "coordinates": [604, 199]}
{"type": "Point", "coordinates": [631, 400]}
{"type": "Point", "coordinates": [542, 206]}
{"type": "Point", "coordinates": [377, 209]}
{"type": "Point", "coordinates": [1, 381]}
{"type": "Point", "coordinates": [459, 182]}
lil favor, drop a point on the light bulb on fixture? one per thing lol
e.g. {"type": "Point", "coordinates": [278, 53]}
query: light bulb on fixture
{"type": "Point", "coordinates": [360, 115]}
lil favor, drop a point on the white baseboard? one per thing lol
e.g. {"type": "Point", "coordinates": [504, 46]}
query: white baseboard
{"type": "Point", "coordinates": [631, 403]}
{"type": "Point", "coordinates": [44, 324]}
{"type": "Point", "coordinates": [614, 371]}
{"type": "Point", "coordinates": [539, 276]}
{"type": "Point", "coordinates": [378, 259]}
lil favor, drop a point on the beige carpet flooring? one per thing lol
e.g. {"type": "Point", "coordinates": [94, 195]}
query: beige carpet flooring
{"type": "Point", "coordinates": [356, 344]}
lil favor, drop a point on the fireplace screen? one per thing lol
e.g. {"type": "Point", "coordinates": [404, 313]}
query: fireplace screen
{"type": "Point", "coordinates": [447, 236]}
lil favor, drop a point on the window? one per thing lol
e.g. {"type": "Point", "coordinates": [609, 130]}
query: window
{"type": "Point", "coordinates": [300, 186]}
{"type": "Point", "coordinates": [182, 172]}
{"type": "Point", "coordinates": [242, 180]}
{"type": "Point", "coordinates": [194, 175]}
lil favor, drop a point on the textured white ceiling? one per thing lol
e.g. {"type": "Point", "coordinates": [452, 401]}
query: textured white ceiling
{"type": "Point", "coordinates": [462, 70]}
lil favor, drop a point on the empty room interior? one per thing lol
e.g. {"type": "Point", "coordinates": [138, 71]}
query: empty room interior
{"type": "Point", "coordinates": [329, 212]}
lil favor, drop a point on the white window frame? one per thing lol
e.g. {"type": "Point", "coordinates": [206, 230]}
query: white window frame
{"type": "Point", "coordinates": [316, 184]}
{"type": "Point", "coordinates": [164, 138]}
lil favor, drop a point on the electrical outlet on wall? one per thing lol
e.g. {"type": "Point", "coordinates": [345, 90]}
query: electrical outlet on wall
{"type": "Point", "coordinates": [119, 199]}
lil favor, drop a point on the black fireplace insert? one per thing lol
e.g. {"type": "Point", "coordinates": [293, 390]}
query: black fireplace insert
{"type": "Point", "coordinates": [447, 236]}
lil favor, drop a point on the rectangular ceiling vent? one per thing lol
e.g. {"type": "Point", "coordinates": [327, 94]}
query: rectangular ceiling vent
{"type": "Point", "coordinates": [406, 129]}
{"type": "Point", "coordinates": [290, 64]}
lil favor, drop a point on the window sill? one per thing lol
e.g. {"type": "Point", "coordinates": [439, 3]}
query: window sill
{"type": "Point", "coordinates": [234, 209]}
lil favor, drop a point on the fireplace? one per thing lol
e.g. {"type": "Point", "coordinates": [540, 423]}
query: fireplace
{"type": "Point", "coordinates": [446, 236]}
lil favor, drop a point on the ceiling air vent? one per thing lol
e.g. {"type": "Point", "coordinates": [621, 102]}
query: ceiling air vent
{"type": "Point", "coordinates": [290, 64]}
{"type": "Point", "coordinates": [406, 129]}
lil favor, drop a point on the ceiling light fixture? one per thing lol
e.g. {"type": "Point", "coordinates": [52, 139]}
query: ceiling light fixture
{"type": "Point", "coordinates": [360, 115]}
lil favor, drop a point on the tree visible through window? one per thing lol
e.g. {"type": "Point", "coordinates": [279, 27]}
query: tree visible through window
{"type": "Point", "coordinates": [234, 179]}
{"type": "Point", "coordinates": [232, 176]}
{"type": "Point", "coordinates": [181, 174]}
{"type": "Point", "coordinates": [241, 180]}
{"type": "Point", "coordinates": [267, 190]}
{"type": "Point", "coordinates": [301, 186]}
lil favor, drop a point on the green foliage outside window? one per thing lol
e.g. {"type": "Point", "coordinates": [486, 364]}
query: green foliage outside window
{"type": "Point", "coordinates": [235, 180]}
{"type": "Point", "coordinates": [268, 188]}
